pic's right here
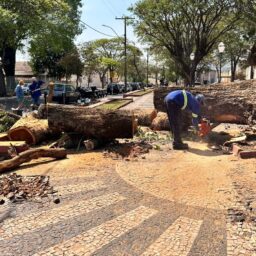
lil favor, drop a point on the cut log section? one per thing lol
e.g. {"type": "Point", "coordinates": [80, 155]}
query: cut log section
{"type": "Point", "coordinates": [145, 116]}
{"type": "Point", "coordinates": [4, 136]}
{"type": "Point", "coordinates": [29, 155]}
{"type": "Point", "coordinates": [29, 129]}
{"type": "Point", "coordinates": [19, 147]}
{"type": "Point", "coordinates": [161, 122]}
{"type": "Point", "coordinates": [229, 103]}
{"type": "Point", "coordinates": [90, 122]}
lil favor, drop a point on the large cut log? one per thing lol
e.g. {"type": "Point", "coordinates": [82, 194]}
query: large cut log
{"type": "Point", "coordinates": [29, 155]}
{"type": "Point", "coordinates": [145, 116]}
{"type": "Point", "coordinates": [29, 129]}
{"type": "Point", "coordinates": [90, 122]}
{"type": "Point", "coordinates": [161, 122]}
{"type": "Point", "coordinates": [228, 103]}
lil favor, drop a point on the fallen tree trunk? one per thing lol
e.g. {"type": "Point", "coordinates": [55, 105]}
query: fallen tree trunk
{"type": "Point", "coordinates": [29, 129]}
{"type": "Point", "coordinates": [228, 103]}
{"type": "Point", "coordinates": [91, 122]}
{"type": "Point", "coordinates": [29, 155]}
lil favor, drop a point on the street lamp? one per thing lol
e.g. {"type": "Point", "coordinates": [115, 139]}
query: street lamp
{"type": "Point", "coordinates": [111, 29]}
{"type": "Point", "coordinates": [221, 48]}
{"type": "Point", "coordinates": [117, 37]}
{"type": "Point", "coordinates": [192, 57]}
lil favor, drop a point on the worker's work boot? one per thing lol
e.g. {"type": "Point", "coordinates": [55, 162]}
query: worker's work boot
{"type": "Point", "coordinates": [180, 146]}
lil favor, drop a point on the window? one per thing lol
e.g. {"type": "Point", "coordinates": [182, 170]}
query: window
{"type": "Point", "coordinates": [58, 87]}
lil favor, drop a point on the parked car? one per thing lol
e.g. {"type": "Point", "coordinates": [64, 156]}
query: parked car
{"type": "Point", "coordinates": [135, 86]}
{"type": "Point", "coordinates": [129, 87]}
{"type": "Point", "coordinates": [114, 88]}
{"type": "Point", "coordinates": [65, 93]}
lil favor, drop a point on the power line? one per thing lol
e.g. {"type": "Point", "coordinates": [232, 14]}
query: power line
{"type": "Point", "coordinates": [81, 22]}
{"type": "Point", "coordinates": [110, 8]}
{"type": "Point", "coordinates": [95, 29]}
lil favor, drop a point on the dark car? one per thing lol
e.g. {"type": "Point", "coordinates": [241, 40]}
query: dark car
{"type": "Point", "coordinates": [92, 92]}
{"type": "Point", "coordinates": [129, 87]}
{"type": "Point", "coordinates": [65, 93]}
{"type": "Point", "coordinates": [114, 89]}
{"type": "Point", "coordinates": [135, 86]}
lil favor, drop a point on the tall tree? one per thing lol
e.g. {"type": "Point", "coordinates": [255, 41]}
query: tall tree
{"type": "Point", "coordinates": [185, 26]}
{"type": "Point", "coordinates": [22, 19]}
{"type": "Point", "coordinates": [72, 64]}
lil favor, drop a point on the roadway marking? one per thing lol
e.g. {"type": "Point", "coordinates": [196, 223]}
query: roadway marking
{"type": "Point", "coordinates": [32, 222]}
{"type": "Point", "coordinates": [89, 242]}
{"type": "Point", "coordinates": [177, 240]}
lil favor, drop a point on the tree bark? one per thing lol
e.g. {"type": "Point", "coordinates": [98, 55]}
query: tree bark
{"type": "Point", "coordinates": [2, 82]}
{"type": "Point", "coordinates": [234, 62]}
{"type": "Point", "coordinates": [232, 103]}
{"type": "Point", "coordinates": [9, 61]}
{"type": "Point", "coordinates": [29, 129]}
{"type": "Point", "coordinates": [90, 122]}
{"type": "Point", "coordinates": [28, 155]}
{"type": "Point", "coordinates": [252, 72]}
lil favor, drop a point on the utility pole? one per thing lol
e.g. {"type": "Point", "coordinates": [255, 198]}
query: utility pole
{"type": "Point", "coordinates": [147, 65]}
{"type": "Point", "coordinates": [125, 18]}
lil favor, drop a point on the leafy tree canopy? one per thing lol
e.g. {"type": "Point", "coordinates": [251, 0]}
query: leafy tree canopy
{"type": "Point", "coordinates": [185, 26]}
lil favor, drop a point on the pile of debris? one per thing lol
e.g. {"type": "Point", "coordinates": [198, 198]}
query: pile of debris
{"type": "Point", "coordinates": [17, 188]}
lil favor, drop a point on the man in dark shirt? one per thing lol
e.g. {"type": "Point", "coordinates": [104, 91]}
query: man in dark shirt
{"type": "Point", "coordinates": [35, 91]}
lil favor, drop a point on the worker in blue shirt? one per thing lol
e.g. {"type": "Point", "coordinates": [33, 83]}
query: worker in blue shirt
{"type": "Point", "coordinates": [177, 101]}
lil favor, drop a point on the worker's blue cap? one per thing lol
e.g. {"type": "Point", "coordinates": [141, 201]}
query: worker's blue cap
{"type": "Point", "coordinates": [200, 98]}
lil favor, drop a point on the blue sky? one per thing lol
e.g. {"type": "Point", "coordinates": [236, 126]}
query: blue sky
{"type": "Point", "coordinates": [96, 13]}
{"type": "Point", "coordinates": [99, 12]}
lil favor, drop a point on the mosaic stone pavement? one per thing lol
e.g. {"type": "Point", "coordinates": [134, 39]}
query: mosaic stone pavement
{"type": "Point", "coordinates": [103, 215]}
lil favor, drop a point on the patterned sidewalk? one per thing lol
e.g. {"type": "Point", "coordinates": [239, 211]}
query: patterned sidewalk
{"type": "Point", "coordinates": [101, 214]}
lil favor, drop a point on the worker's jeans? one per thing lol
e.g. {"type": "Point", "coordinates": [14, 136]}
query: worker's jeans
{"type": "Point", "coordinates": [174, 116]}
{"type": "Point", "coordinates": [36, 100]}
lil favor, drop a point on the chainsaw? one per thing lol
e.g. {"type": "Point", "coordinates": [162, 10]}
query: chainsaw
{"type": "Point", "coordinates": [204, 128]}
